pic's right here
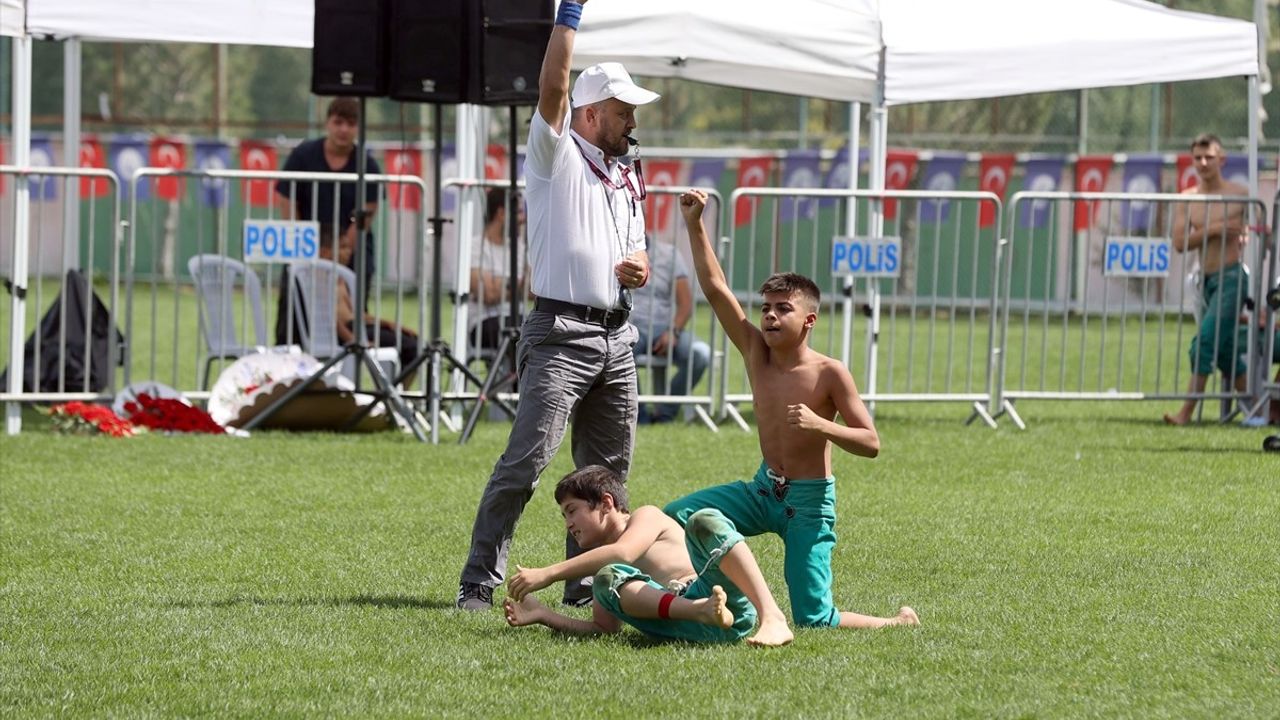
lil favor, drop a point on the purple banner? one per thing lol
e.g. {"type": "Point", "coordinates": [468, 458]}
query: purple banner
{"type": "Point", "coordinates": [1141, 175]}
{"type": "Point", "coordinates": [799, 170]}
{"type": "Point", "coordinates": [706, 172]}
{"type": "Point", "coordinates": [838, 174]}
{"type": "Point", "coordinates": [126, 156]}
{"type": "Point", "coordinates": [213, 155]}
{"type": "Point", "coordinates": [943, 176]}
{"type": "Point", "coordinates": [1041, 175]}
{"type": "Point", "coordinates": [1236, 168]}
{"type": "Point", "coordinates": [45, 188]}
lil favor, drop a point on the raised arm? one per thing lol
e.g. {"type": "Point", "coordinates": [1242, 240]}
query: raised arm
{"type": "Point", "coordinates": [553, 81]}
{"type": "Point", "coordinates": [711, 276]}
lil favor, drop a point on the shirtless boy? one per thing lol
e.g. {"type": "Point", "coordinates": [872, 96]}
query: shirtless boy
{"type": "Point", "coordinates": [1217, 230]}
{"type": "Point", "coordinates": [797, 392]}
{"type": "Point", "coordinates": [703, 586]}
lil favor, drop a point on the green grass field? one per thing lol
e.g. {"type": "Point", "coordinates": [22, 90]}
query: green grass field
{"type": "Point", "coordinates": [1096, 565]}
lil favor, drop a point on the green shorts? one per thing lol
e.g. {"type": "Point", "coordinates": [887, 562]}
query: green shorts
{"type": "Point", "coordinates": [802, 513]}
{"type": "Point", "coordinates": [1216, 344]}
{"type": "Point", "coordinates": [708, 537]}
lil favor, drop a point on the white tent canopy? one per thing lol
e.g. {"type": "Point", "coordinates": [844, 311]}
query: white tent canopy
{"type": "Point", "coordinates": [932, 49]}
{"type": "Point", "coordinates": [285, 23]}
{"type": "Point", "coordinates": [11, 14]}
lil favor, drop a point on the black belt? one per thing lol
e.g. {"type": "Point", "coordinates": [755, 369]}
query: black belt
{"type": "Point", "coordinates": [611, 319]}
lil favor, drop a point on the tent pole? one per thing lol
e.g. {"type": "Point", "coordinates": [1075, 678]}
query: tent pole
{"type": "Point", "coordinates": [21, 225]}
{"type": "Point", "coordinates": [879, 155]}
{"type": "Point", "coordinates": [71, 152]}
{"type": "Point", "coordinates": [851, 226]}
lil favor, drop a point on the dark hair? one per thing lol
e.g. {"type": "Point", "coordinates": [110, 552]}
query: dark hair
{"type": "Point", "coordinates": [346, 108]}
{"type": "Point", "coordinates": [1204, 140]}
{"type": "Point", "coordinates": [494, 200]}
{"type": "Point", "coordinates": [592, 483]}
{"type": "Point", "coordinates": [790, 283]}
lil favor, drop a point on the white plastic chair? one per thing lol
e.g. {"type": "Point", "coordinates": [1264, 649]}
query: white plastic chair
{"type": "Point", "coordinates": [313, 295]}
{"type": "Point", "coordinates": [225, 329]}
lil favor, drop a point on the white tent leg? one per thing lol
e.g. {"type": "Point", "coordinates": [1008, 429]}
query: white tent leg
{"type": "Point", "coordinates": [71, 151]}
{"type": "Point", "coordinates": [21, 225]}
{"type": "Point", "coordinates": [851, 228]}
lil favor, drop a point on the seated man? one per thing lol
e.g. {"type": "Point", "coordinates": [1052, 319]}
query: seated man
{"type": "Point", "coordinates": [387, 333]}
{"type": "Point", "coordinates": [703, 586]}
{"type": "Point", "coordinates": [490, 306]}
{"type": "Point", "coordinates": [662, 311]}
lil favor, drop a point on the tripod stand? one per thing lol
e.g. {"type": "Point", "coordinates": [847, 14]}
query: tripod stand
{"type": "Point", "coordinates": [437, 351]}
{"type": "Point", "coordinates": [386, 391]}
{"type": "Point", "coordinates": [502, 373]}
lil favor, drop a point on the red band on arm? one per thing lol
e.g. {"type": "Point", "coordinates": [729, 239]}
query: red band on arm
{"type": "Point", "coordinates": [664, 606]}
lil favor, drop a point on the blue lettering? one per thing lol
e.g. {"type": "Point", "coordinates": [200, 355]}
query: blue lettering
{"type": "Point", "coordinates": [251, 239]}
{"type": "Point", "coordinates": [856, 257]}
{"type": "Point", "coordinates": [1113, 254]}
{"type": "Point", "coordinates": [1144, 257]}
{"type": "Point", "coordinates": [270, 242]}
{"type": "Point", "coordinates": [891, 257]}
{"type": "Point", "coordinates": [309, 242]}
{"type": "Point", "coordinates": [1162, 258]}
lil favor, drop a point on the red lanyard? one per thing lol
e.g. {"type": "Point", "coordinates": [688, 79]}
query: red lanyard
{"type": "Point", "coordinates": [636, 195]}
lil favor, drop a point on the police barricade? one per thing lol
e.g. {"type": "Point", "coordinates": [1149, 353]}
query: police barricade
{"type": "Point", "coordinates": [61, 279]}
{"type": "Point", "coordinates": [920, 290]}
{"type": "Point", "coordinates": [1267, 313]}
{"type": "Point", "coordinates": [1100, 302]}
{"type": "Point", "coordinates": [481, 304]}
{"type": "Point", "coordinates": [183, 222]}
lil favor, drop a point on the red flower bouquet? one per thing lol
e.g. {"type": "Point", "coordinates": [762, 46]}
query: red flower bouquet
{"type": "Point", "coordinates": [79, 418]}
{"type": "Point", "coordinates": [169, 414]}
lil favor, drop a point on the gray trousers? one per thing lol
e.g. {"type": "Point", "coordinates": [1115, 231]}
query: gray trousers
{"type": "Point", "coordinates": [568, 369]}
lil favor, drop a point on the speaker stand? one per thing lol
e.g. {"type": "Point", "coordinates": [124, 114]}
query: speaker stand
{"type": "Point", "coordinates": [386, 391]}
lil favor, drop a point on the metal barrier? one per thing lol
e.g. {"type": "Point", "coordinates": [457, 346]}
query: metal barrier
{"type": "Point", "coordinates": [61, 201]}
{"type": "Point", "coordinates": [926, 286]}
{"type": "Point", "coordinates": [1106, 309]}
{"type": "Point", "coordinates": [163, 322]}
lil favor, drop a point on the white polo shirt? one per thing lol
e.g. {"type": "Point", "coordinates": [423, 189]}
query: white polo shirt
{"type": "Point", "coordinates": [579, 229]}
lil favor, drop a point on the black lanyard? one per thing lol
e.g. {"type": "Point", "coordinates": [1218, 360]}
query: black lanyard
{"type": "Point", "coordinates": [636, 195]}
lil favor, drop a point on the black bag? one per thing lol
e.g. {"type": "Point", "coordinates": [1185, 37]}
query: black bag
{"type": "Point", "coordinates": [70, 370]}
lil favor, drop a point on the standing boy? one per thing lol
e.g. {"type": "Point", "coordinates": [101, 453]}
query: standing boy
{"type": "Point", "coordinates": [797, 393]}
{"type": "Point", "coordinates": [704, 586]}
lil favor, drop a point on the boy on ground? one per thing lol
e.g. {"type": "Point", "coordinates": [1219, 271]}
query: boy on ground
{"type": "Point", "coordinates": [797, 393]}
{"type": "Point", "coordinates": [698, 583]}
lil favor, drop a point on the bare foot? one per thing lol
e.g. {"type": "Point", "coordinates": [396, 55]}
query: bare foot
{"type": "Point", "coordinates": [714, 610]}
{"type": "Point", "coordinates": [906, 616]}
{"type": "Point", "coordinates": [773, 632]}
{"type": "Point", "coordinates": [1174, 420]}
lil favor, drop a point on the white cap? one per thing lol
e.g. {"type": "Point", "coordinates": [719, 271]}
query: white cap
{"type": "Point", "coordinates": [609, 80]}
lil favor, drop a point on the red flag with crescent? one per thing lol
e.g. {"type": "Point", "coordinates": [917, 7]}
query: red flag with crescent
{"type": "Point", "coordinates": [495, 163]}
{"type": "Point", "coordinates": [1187, 177]}
{"type": "Point", "coordinates": [752, 172]}
{"type": "Point", "coordinates": [168, 153]}
{"type": "Point", "coordinates": [258, 155]}
{"type": "Point", "coordinates": [1091, 176]}
{"type": "Point", "coordinates": [405, 161]}
{"type": "Point", "coordinates": [659, 208]}
{"type": "Point", "coordinates": [92, 156]}
{"type": "Point", "coordinates": [993, 172]}
{"type": "Point", "coordinates": [899, 168]}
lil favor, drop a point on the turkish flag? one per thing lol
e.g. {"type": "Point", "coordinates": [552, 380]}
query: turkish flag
{"type": "Point", "coordinates": [404, 162]}
{"type": "Point", "coordinates": [993, 173]}
{"type": "Point", "coordinates": [92, 156]}
{"type": "Point", "coordinates": [1091, 176]}
{"type": "Point", "coordinates": [1187, 177]}
{"type": "Point", "coordinates": [659, 208]}
{"type": "Point", "coordinates": [258, 155]}
{"type": "Point", "coordinates": [752, 172]}
{"type": "Point", "coordinates": [172, 154]}
{"type": "Point", "coordinates": [495, 163]}
{"type": "Point", "coordinates": [899, 167]}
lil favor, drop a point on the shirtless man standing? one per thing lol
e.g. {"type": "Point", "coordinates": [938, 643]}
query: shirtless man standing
{"type": "Point", "coordinates": [1217, 230]}
{"type": "Point", "coordinates": [797, 392]}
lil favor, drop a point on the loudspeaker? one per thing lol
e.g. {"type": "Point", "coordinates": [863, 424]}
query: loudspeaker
{"type": "Point", "coordinates": [468, 51]}
{"type": "Point", "coordinates": [349, 51]}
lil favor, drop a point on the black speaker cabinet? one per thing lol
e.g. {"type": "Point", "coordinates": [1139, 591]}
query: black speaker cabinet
{"type": "Point", "coordinates": [349, 51]}
{"type": "Point", "coordinates": [474, 51]}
